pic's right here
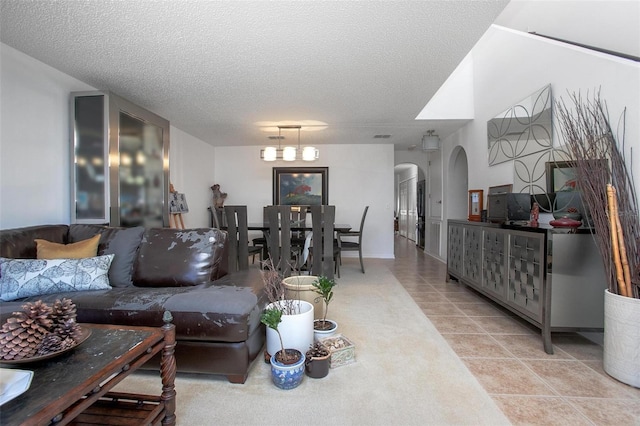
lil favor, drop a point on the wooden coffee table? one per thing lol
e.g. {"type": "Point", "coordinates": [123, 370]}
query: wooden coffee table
{"type": "Point", "coordinates": [73, 388]}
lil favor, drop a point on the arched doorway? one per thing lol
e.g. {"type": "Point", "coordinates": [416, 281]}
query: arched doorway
{"type": "Point", "coordinates": [458, 177]}
{"type": "Point", "coordinates": [409, 201]}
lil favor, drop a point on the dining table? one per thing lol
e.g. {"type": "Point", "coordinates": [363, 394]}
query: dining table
{"type": "Point", "coordinates": [295, 226]}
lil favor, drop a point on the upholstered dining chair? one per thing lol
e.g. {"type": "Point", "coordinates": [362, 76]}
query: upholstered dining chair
{"type": "Point", "coordinates": [353, 245]}
{"type": "Point", "coordinates": [239, 248]}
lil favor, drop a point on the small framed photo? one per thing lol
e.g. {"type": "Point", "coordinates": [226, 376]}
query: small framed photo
{"type": "Point", "coordinates": [300, 186]}
{"type": "Point", "coordinates": [178, 203]}
{"type": "Point", "coordinates": [476, 198]}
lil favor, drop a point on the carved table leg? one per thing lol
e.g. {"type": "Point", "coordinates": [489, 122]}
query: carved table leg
{"type": "Point", "coordinates": [168, 370]}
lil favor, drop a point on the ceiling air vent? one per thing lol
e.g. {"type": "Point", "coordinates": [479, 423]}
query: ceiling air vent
{"type": "Point", "coordinates": [381, 136]}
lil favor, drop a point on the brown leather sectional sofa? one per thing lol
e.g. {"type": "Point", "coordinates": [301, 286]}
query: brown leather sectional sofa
{"type": "Point", "coordinates": [217, 315]}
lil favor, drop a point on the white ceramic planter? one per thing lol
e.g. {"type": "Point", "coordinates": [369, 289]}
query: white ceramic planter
{"type": "Point", "coordinates": [323, 334]}
{"type": "Point", "coordinates": [622, 338]}
{"type": "Point", "coordinates": [296, 330]}
{"type": "Point", "coordinates": [301, 287]}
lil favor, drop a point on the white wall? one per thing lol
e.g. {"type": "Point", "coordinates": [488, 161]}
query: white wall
{"type": "Point", "coordinates": [34, 162]}
{"type": "Point", "coordinates": [509, 65]}
{"type": "Point", "coordinates": [359, 175]}
{"type": "Point", "coordinates": [191, 169]}
{"type": "Point", "coordinates": [34, 141]}
{"type": "Point", "coordinates": [34, 148]}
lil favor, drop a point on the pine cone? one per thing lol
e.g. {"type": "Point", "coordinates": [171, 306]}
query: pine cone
{"type": "Point", "coordinates": [62, 311]}
{"type": "Point", "coordinates": [23, 333]}
{"type": "Point", "coordinates": [50, 344]}
{"type": "Point", "coordinates": [38, 314]}
{"type": "Point", "coordinates": [69, 330]}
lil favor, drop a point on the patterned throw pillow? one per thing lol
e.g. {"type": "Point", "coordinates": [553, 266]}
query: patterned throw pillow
{"type": "Point", "coordinates": [81, 249]}
{"type": "Point", "coordinates": [34, 277]}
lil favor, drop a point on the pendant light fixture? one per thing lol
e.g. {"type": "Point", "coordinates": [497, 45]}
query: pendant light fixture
{"type": "Point", "coordinates": [289, 153]}
{"type": "Point", "coordinates": [430, 142]}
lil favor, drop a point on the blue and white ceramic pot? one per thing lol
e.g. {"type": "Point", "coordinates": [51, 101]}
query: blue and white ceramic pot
{"type": "Point", "coordinates": [287, 376]}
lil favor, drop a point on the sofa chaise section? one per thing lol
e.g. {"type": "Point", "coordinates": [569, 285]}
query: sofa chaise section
{"type": "Point", "coordinates": [217, 315]}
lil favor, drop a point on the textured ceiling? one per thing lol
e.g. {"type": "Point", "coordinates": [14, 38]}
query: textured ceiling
{"type": "Point", "coordinates": [215, 69]}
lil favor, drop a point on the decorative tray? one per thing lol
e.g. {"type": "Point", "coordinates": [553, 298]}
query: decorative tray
{"type": "Point", "coordinates": [13, 383]}
{"type": "Point", "coordinates": [85, 333]}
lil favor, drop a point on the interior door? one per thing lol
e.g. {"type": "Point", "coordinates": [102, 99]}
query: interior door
{"type": "Point", "coordinates": [412, 210]}
{"type": "Point", "coordinates": [404, 206]}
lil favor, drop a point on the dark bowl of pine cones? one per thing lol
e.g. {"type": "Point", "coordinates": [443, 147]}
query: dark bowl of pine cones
{"type": "Point", "coordinates": [40, 332]}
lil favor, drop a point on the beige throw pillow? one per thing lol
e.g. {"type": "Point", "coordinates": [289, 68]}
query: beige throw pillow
{"type": "Point", "coordinates": [81, 249]}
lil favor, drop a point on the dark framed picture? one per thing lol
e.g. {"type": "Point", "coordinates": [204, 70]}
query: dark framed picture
{"type": "Point", "coordinates": [561, 176]}
{"type": "Point", "coordinates": [300, 186]}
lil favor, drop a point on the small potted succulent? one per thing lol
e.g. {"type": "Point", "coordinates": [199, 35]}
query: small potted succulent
{"type": "Point", "coordinates": [318, 360]}
{"type": "Point", "coordinates": [287, 365]}
{"type": "Point", "coordinates": [324, 327]}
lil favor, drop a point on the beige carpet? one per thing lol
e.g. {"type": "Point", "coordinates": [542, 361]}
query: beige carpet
{"type": "Point", "coordinates": [404, 374]}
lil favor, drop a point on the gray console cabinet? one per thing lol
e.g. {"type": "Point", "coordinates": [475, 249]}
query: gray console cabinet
{"type": "Point", "coordinates": [552, 278]}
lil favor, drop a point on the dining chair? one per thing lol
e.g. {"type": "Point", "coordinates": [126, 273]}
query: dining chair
{"type": "Point", "coordinates": [262, 241]}
{"type": "Point", "coordinates": [298, 219]}
{"type": "Point", "coordinates": [239, 248]}
{"type": "Point", "coordinates": [353, 245]}
{"type": "Point", "coordinates": [324, 253]}
{"type": "Point", "coordinates": [282, 254]}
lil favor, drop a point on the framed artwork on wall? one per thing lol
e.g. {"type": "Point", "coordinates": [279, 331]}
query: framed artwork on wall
{"type": "Point", "coordinates": [300, 186]}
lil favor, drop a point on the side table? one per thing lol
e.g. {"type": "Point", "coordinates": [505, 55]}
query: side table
{"type": "Point", "coordinates": [74, 388]}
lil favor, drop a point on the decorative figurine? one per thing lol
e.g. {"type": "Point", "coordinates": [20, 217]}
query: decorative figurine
{"type": "Point", "coordinates": [535, 214]}
{"type": "Point", "coordinates": [218, 196]}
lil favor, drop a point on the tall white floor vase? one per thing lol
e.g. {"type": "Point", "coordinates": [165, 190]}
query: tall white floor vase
{"type": "Point", "coordinates": [622, 338]}
{"type": "Point", "coordinates": [296, 330]}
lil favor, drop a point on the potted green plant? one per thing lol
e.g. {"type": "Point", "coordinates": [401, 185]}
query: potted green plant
{"type": "Point", "coordinates": [324, 327]}
{"type": "Point", "coordinates": [287, 365]}
{"type": "Point", "coordinates": [317, 360]}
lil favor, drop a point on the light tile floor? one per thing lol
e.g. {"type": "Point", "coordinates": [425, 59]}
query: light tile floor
{"type": "Point", "coordinates": [506, 356]}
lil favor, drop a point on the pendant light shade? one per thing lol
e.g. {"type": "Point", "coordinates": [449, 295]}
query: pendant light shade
{"type": "Point", "coordinates": [430, 142]}
{"type": "Point", "coordinates": [289, 153]}
{"type": "Point", "coordinates": [270, 153]}
{"type": "Point", "coordinates": [310, 153]}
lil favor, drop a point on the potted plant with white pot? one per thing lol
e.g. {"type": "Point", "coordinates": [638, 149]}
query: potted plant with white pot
{"type": "Point", "coordinates": [324, 327]}
{"type": "Point", "coordinates": [296, 326]}
{"type": "Point", "coordinates": [287, 364]}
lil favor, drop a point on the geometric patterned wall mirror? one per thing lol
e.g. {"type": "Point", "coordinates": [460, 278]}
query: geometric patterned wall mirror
{"type": "Point", "coordinates": [530, 177]}
{"type": "Point", "coordinates": [521, 130]}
